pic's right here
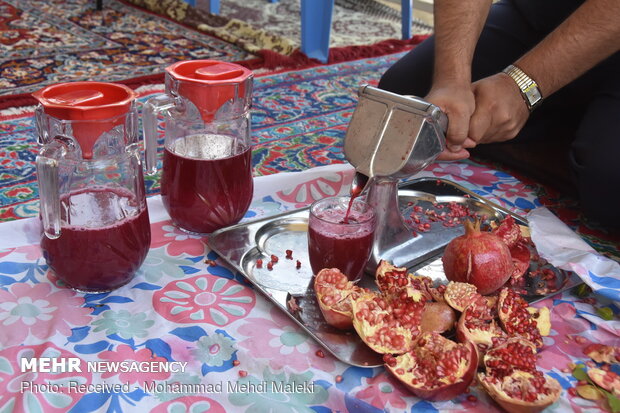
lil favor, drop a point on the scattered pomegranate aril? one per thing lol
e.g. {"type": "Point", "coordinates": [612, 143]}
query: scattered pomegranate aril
{"type": "Point", "coordinates": [298, 264]}
{"type": "Point", "coordinates": [211, 263]}
{"type": "Point", "coordinates": [338, 379]}
{"type": "Point", "coordinates": [274, 258]}
{"type": "Point", "coordinates": [236, 362]}
{"type": "Point", "coordinates": [289, 254]}
{"type": "Point", "coordinates": [270, 265]}
{"type": "Point", "coordinates": [320, 354]}
{"type": "Point", "coordinates": [243, 373]}
{"type": "Point", "coordinates": [259, 263]}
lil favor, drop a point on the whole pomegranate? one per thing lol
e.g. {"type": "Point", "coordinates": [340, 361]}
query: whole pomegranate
{"type": "Point", "coordinates": [479, 258]}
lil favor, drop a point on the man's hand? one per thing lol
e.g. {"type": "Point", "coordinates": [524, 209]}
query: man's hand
{"type": "Point", "coordinates": [457, 102]}
{"type": "Point", "coordinates": [500, 110]}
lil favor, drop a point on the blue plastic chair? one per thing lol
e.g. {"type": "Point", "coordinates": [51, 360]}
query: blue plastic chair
{"type": "Point", "coordinates": [316, 23]}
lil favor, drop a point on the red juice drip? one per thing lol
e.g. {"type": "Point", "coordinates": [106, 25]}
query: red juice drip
{"type": "Point", "coordinates": [104, 241]}
{"type": "Point", "coordinates": [331, 246]}
{"type": "Point", "coordinates": [206, 182]}
{"type": "Point", "coordinates": [357, 186]}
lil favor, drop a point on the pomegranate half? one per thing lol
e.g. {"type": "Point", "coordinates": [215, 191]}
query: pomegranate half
{"type": "Point", "coordinates": [436, 368]}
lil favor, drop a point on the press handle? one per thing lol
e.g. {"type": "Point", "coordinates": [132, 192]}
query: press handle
{"type": "Point", "coordinates": [152, 108]}
{"type": "Point", "coordinates": [49, 189]}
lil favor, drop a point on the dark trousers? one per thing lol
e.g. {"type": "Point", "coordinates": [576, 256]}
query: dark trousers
{"type": "Point", "coordinates": [578, 127]}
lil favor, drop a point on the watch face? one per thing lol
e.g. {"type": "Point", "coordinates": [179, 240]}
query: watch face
{"type": "Point", "coordinates": [533, 95]}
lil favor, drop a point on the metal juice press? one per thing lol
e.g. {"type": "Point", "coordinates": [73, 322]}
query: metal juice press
{"type": "Point", "coordinates": [391, 137]}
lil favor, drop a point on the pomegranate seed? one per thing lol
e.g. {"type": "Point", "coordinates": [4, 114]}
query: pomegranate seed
{"type": "Point", "coordinates": [211, 263]}
{"type": "Point", "coordinates": [243, 373]}
{"type": "Point", "coordinates": [319, 353]}
{"type": "Point", "coordinates": [580, 340]}
{"type": "Point", "coordinates": [259, 263]}
{"type": "Point", "coordinates": [289, 254]}
{"type": "Point", "coordinates": [236, 362]}
{"type": "Point", "coordinates": [270, 265]}
{"type": "Point", "coordinates": [274, 258]}
{"type": "Point", "coordinates": [298, 265]}
{"type": "Point", "coordinates": [338, 379]}
{"type": "Point", "coordinates": [472, 398]}
{"type": "Point", "coordinates": [572, 391]}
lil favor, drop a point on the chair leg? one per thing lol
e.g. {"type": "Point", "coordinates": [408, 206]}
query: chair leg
{"type": "Point", "coordinates": [316, 23]}
{"type": "Point", "coordinates": [406, 18]}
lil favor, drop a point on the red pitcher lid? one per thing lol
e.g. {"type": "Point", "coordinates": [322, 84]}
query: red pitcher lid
{"type": "Point", "coordinates": [210, 83]}
{"type": "Point", "coordinates": [87, 101]}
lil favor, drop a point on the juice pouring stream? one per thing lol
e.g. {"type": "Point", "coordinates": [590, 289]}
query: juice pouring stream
{"type": "Point", "coordinates": [96, 230]}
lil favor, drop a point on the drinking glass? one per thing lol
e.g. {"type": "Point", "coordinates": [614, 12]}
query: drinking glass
{"type": "Point", "coordinates": [338, 240]}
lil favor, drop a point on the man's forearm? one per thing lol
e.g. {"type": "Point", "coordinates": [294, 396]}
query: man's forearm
{"type": "Point", "coordinates": [585, 38]}
{"type": "Point", "coordinates": [458, 24]}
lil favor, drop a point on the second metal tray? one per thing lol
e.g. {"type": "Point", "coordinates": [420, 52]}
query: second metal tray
{"type": "Point", "coordinates": [288, 284]}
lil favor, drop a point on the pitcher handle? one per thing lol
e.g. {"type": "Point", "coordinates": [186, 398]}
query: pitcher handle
{"type": "Point", "coordinates": [49, 189]}
{"type": "Point", "coordinates": [151, 110]}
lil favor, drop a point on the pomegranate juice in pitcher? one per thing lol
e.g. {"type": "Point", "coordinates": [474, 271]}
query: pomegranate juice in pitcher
{"type": "Point", "coordinates": [105, 241]}
{"type": "Point", "coordinates": [206, 182]}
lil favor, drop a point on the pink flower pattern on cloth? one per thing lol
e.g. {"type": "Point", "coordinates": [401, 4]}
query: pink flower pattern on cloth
{"type": "Point", "coordinates": [39, 311]}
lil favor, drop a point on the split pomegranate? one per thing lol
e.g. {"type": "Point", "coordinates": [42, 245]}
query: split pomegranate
{"type": "Point", "coordinates": [377, 323]}
{"type": "Point", "coordinates": [515, 353]}
{"type": "Point", "coordinates": [607, 380]}
{"type": "Point", "coordinates": [477, 325]}
{"type": "Point", "coordinates": [459, 295]}
{"type": "Point", "coordinates": [521, 391]}
{"type": "Point", "coordinates": [436, 368]}
{"type": "Point", "coordinates": [478, 258]}
{"type": "Point", "coordinates": [393, 280]}
{"type": "Point", "coordinates": [515, 317]}
{"type": "Point", "coordinates": [602, 353]}
{"type": "Point", "coordinates": [508, 230]}
{"type": "Point", "coordinates": [334, 292]}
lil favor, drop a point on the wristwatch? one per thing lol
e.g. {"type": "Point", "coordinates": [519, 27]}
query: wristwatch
{"type": "Point", "coordinates": [528, 87]}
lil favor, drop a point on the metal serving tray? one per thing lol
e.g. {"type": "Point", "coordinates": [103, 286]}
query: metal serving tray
{"type": "Point", "coordinates": [290, 287]}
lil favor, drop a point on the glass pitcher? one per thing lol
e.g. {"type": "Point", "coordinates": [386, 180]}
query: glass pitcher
{"type": "Point", "coordinates": [206, 181]}
{"type": "Point", "coordinates": [96, 230]}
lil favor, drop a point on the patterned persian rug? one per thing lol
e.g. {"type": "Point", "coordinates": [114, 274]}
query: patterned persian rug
{"type": "Point", "coordinates": [50, 41]}
{"type": "Point", "coordinates": [299, 119]}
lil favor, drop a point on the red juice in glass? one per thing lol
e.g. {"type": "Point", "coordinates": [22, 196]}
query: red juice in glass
{"type": "Point", "coordinates": [334, 243]}
{"type": "Point", "coordinates": [206, 182]}
{"type": "Point", "coordinates": [105, 239]}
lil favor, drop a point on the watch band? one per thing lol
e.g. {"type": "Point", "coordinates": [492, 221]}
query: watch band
{"type": "Point", "coordinates": [528, 87]}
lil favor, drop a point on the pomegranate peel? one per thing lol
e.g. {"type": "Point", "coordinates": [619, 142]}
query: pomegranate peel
{"type": "Point", "coordinates": [438, 317]}
{"type": "Point", "coordinates": [607, 380]}
{"type": "Point", "coordinates": [477, 325]}
{"type": "Point", "coordinates": [436, 369]}
{"type": "Point", "coordinates": [542, 316]}
{"type": "Point", "coordinates": [479, 258]}
{"type": "Point", "coordinates": [602, 353]}
{"type": "Point", "coordinates": [522, 391]}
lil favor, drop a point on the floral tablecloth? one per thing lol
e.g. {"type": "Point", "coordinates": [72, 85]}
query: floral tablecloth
{"type": "Point", "coordinates": [231, 349]}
